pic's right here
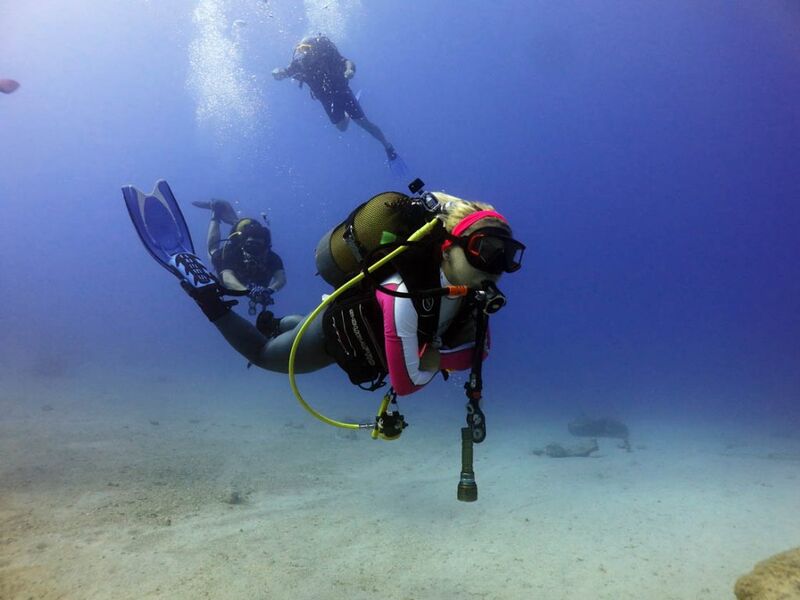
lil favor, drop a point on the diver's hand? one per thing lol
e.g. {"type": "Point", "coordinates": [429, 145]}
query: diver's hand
{"type": "Point", "coordinates": [279, 74]}
{"type": "Point", "coordinates": [254, 291]}
{"type": "Point", "coordinates": [349, 73]}
{"type": "Point", "coordinates": [261, 295]}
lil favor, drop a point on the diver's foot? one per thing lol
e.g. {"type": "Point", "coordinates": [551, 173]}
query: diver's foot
{"type": "Point", "coordinates": [221, 209]}
{"type": "Point", "coordinates": [396, 164]}
{"type": "Point", "coordinates": [191, 271]}
{"type": "Point", "coordinates": [268, 324]}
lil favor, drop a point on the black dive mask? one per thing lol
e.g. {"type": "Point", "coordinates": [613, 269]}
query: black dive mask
{"type": "Point", "coordinates": [253, 253]}
{"type": "Point", "coordinates": [492, 250]}
{"type": "Point", "coordinates": [254, 247]}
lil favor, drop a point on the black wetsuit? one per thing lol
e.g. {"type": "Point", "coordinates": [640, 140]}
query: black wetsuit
{"type": "Point", "coordinates": [322, 69]}
{"type": "Point", "coordinates": [231, 257]}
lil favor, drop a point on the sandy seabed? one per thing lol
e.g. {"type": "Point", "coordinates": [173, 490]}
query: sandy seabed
{"type": "Point", "coordinates": [189, 494]}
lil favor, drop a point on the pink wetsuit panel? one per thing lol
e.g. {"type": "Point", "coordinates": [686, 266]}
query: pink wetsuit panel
{"type": "Point", "coordinates": [402, 344]}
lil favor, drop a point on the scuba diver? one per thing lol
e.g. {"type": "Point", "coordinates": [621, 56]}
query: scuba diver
{"type": "Point", "coordinates": [244, 261]}
{"type": "Point", "coordinates": [388, 327]}
{"type": "Point", "coordinates": [415, 280]}
{"type": "Point", "coordinates": [317, 62]}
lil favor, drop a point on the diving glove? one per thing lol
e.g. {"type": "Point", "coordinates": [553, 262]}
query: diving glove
{"type": "Point", "coordinates": [201, 285]}
{"type": "Point", "coordinates": [261, 295]}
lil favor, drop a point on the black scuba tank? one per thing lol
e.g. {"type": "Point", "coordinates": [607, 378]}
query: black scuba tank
{"type": "Point", "coordinates": [383, 219]}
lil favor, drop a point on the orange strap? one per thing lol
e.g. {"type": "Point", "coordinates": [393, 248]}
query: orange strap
{"type": "Point", "coordinates": [457, 290]}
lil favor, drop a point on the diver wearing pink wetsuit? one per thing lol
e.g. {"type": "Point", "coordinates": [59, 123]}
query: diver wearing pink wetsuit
{"type": "Point", "coordinates": [400, 328]}
{"type": "Point", "coordinates": [479, 248]}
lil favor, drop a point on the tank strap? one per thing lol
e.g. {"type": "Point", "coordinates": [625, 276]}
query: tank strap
{"type": "Point", "coordinates": [351, 240]}
{"type": "Point", "coordinates": [350, 236]}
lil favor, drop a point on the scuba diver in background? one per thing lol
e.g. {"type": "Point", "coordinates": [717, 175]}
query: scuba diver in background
{"type": "Point", "coordinates": [317, 62]}
{"type": "Point", "coordinates": [411, 325]}
{"type": "Point", "coordinates": [244, 261]}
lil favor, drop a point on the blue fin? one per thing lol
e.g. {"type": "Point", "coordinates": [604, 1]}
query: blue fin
{"type": "Point", "coordinates": [159, 222]}
{"type": "Point", "coordinates": [398, 167]}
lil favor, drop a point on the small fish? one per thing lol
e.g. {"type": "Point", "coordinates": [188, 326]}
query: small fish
{"type": "Point", "coordinates": [8, 86]}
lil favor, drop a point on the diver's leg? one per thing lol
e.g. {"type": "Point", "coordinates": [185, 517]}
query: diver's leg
{"type": "Point", "coordinates": [273, 354]}
{"type": "Point", "coordinates": [268, 353]}
{"type": "Point", "coordinates": [353, 108]}
{"type": "Point", "coordinates": [334, 108]}
{"type": "Point", "coordinates": [289, 322]}
{"type": "Point", "coordinates": [373, 130]}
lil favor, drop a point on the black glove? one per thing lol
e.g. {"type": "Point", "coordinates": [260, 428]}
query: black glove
{"type": "Point", "coordinates": [201, 285]}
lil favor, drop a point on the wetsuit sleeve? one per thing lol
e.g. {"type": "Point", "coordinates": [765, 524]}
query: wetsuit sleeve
{"type": "Point", "coordinates": [277, 275]}
{"type": "Point", "coordinates": [293, 69]}
{"type": "Point", "coordinates": [401, 342]}
{"type": "Point", "coordinates": [276, 264]}
{"type": "Point", "coordinates": [216, 260]}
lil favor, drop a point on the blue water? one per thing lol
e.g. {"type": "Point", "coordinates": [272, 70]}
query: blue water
{"type": "Point", "coordinates": [646, 153]}
{"type": "Point", "coordinates": [647, 156]}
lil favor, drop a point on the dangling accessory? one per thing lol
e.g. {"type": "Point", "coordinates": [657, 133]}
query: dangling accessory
{"type": "Point", "coordinates": [475, 431]}
{"type": "Point", "coordinates": [389, 423]}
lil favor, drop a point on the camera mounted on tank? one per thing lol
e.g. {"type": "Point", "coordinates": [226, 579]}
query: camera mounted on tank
{"type": "Point", "coordinates": [416, 185]}
{"type": "Point", "coordinates": [426, 199]}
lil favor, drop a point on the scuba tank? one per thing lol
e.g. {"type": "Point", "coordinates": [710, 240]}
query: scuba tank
{"type": "Point", "coordinates": [356, 243]}
{"type": "Point", "coordinates": [353, 324]}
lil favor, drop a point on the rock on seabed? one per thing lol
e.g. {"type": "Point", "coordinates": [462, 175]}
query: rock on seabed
{"type": "Point", "coordinates": [776, 578]}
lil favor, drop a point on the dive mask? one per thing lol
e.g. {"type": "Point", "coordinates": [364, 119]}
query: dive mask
{"type": "Point", "coordinates": [491, 250]}
{"type": "Point", "coordinates": [254, 246]}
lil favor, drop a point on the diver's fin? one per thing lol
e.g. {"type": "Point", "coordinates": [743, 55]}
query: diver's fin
{"type": "Point", "coordinates": [222, 210]}
{"type": "Point", "coordinates": [396, 164]}
{"type": "Point", "coordinates": [160, 224]}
